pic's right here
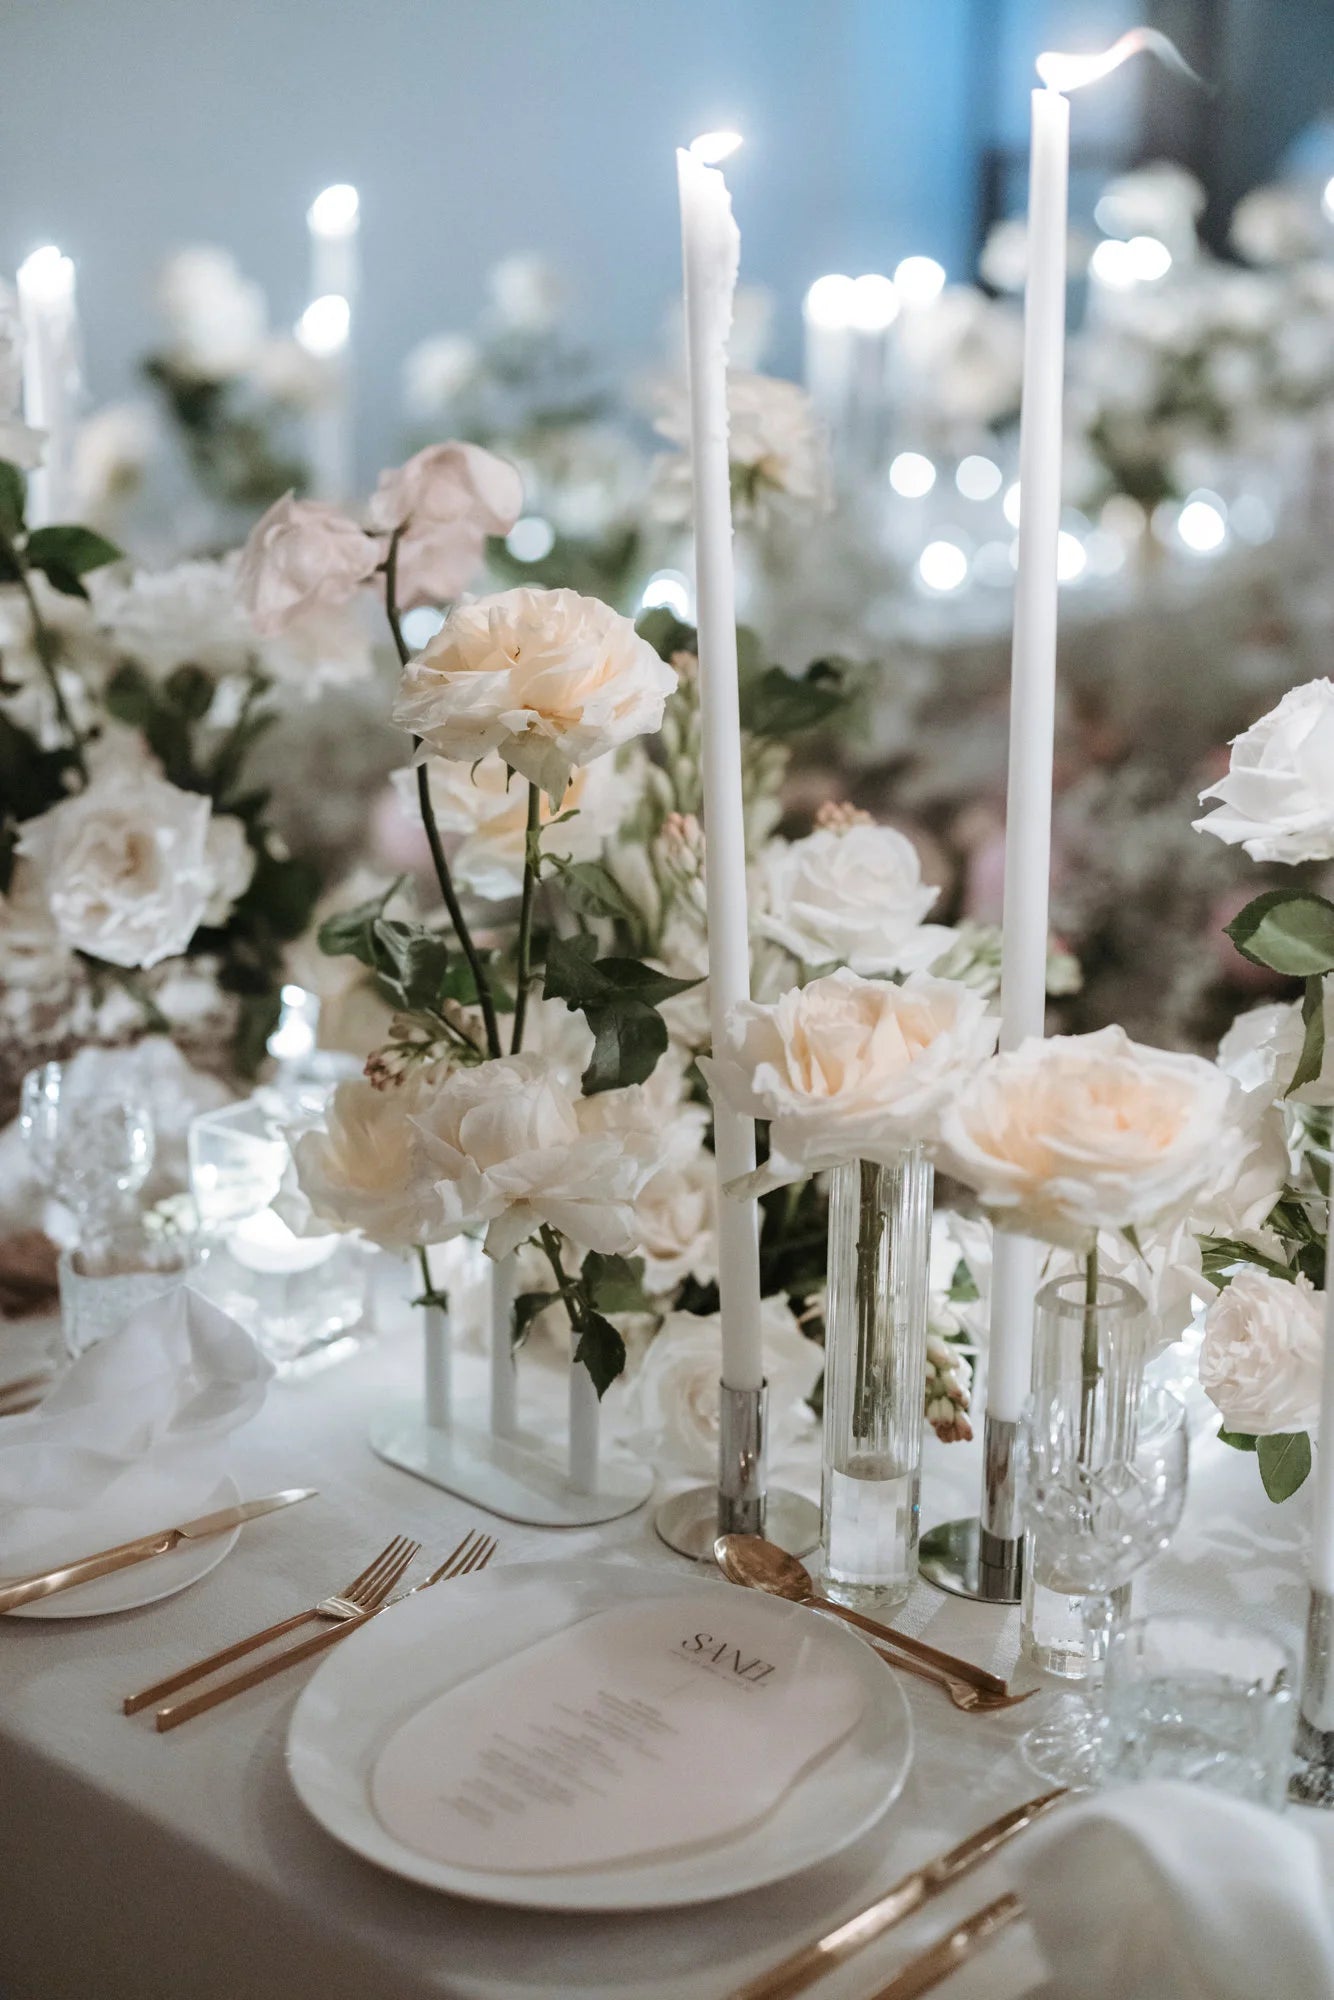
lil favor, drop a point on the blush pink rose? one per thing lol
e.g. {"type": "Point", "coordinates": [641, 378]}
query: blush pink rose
{"type": "Point", "coordinates": [302, 556]}
{"type": "Point", "coordinates": [447, 499]}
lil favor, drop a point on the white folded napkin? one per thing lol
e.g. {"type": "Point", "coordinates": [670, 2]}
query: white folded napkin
{"type": "Point", "coordinates": [135, 1426]}
{"type": "Point", "coordinates": [1176, 1892]}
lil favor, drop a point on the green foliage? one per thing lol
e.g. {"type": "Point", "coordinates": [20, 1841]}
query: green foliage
{"type": "Point", "coordinates": [776, 703]}
{"type": "Point", "coordinates": [601, 1351]}
{"type": "Point", "coordinates": [526, 1309]}
{"type": "Point", "coordinates": [13, 500]}
{"type": "Point", "coordinates": [1220, 1254]}
{"type": "Point", "coordinates": [615, 1284]}
{"type": "Point", "coordinates": [591, 890]}
{"type": "Point", "coordinates": [619, 998]}
{"type": "Point", "coordinates": [31, 781]}
{"type": "Point", "coordinates": [1285, 1463]}
{"type": "Point", "coordinates": [665, 632]}
{"type": "Point", "coordinates": [794, 1234]}
{"type": "Point", "coordinates": [1312, 1058]}
{"type": "Point", "coordinates": [1239, 1440]}
{"type": "Point", "coordinates": [66, 554]}
{"type": "Point", "coordinates": [1289, 930]}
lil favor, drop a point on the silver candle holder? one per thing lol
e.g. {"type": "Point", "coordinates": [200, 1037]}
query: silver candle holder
{"type": "Point", "coordinates": [1312, 1782]}
{"type": "Point", "coordinates": [982, 1555]}
{"type": "Point", "coordinates": [742, 1503]}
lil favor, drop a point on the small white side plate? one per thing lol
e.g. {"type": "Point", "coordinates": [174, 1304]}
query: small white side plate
{"type": "Point", "coordinates": [370, 1685]}
{"type": "Point", "coordinates": [125, 1589]}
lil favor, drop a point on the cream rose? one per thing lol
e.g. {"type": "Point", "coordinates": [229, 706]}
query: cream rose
{"type": "Point", "coordinates": [512, 1147]}
{"type": "Point", "coordinates": [676, 1207]}
{"type": "Point", "coordinates": [231, 863]}
{"type": "Point", "coordinates": [369, 1168]}
{"type": "Point", "coordinates": [1064, 1137]}
{"type": "Point", "coordinates": [160, 618]}
{"type": "Point", "coordinates": [1262, 1047]}
{"type": "Point", "coordinates": [850, 1068]}
{"type": "Point", "coordinates": [124, 866]}
{"type": "Point", "coordinates": [776, 445]}
{"type": "Point", "coordinates": [1277, 800]}
{"type": "Point", "coordinates": [548, 678]}
{"type": "Point", "coordinates": [446, 500]}
{"type": "Point", "coordinates": [302, 556]}
{"type": "Point", "coordinates": [671, 1413]}
{"type": "Point", "coordinates": [1264, 1346]}
{"type": "Point", "coordinates": [851, 895]}
{"type": "Point", "coordinates": [488, 806]}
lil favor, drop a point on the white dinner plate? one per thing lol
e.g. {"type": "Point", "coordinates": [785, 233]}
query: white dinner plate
{"type": "Point", "coordinates": [143, 1583]}
{"type": "Point", "coordinates": [375, 1680]}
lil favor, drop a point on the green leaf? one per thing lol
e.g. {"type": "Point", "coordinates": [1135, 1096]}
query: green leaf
{"type": "Point", "coordinates": [190, 690]}
{"type": "Point", "coordinates": [616, 1284]}
{"type": "Point", "coordinates": [1218, 1254]}
{"type": "Point", "coordinates": [1289, 930]}
{"type": "Point", "coordinates": [593, 891]}
{"type": "Point", "coordinates": [70, 548]}
{"type": "Point", "coordinates": [31, 779]}
{"type": "Point", "coordinates": [351, 933]}
{"type": "Point", "coordinates": [627, 1042]}
{"type": "Point", "coordinates": [60, 578]}
{"type": "Point", "coordinates": [1239, 1440]}
{"type": "Point", "coordinates": [131, 696]}
{"type": "Point", "coordinates": [526, 1308]}
{"type": "Point", "coordinates": [1312, 1058]}
{"type": "Point", "coordinates": [777, 703]}
{"type": "Point", "coordinates": [665, 633]}
{"type": "Point", "coordinates": [411, 959]}
{"type": "Point", "coordinates": [256, 1018]}
{"type": "Point", "coordinates": [602, 1352]}
{"type": "Point", "coordinates": [282, 894]}
{"type": "Point", "coordinates": [13, 499]}
{"type": "Point", "coordinates": [1285, 1463]}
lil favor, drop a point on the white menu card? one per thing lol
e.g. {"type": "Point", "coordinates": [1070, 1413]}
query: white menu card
{"type": "Point", "coordinates": [632, 1734]}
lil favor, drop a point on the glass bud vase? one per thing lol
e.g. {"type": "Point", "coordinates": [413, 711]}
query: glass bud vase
{"type": "Point", "coordinates": [1089, 1355]}
{"type": "Point", "coordinates": [875, 1379]}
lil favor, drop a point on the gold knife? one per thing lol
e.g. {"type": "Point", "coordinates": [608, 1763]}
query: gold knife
{"type": "Point", "coordinates": [26, 1589]}
{"type": "Point", "coordinates": [804, 1967]}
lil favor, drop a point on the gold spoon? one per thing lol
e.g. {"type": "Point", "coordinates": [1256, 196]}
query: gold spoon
{"type": "Point", "coordinates": [756, 1564]}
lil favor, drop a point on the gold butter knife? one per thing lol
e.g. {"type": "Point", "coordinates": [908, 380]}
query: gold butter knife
{"type": "Point", "coordinates": [804, 1967]}
{"type": "Point", "coordinates": [26, 1589]}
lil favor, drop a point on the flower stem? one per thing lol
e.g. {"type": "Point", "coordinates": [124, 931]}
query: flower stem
{"type": "Point", "coordinates": [485, 998]}
{"type": "Point", "coordinates": [530, 865]}
{"type": "Point", "coordinates": [567, 1287]}
{"type": "Point", "coordinates": [1089, 1368]}
{"type": "Point", "coordinates": [46, 651]}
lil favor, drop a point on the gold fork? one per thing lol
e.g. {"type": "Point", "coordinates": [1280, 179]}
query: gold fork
{"type": "Point", "coordinates": [474, 1552]}
{"type": "Point", "coordinates": [364, 1593]}
{"type": "Point", "coordinates": [972, 1700]}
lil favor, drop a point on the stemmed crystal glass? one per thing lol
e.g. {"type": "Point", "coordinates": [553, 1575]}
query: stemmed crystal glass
{"type": "Point", "coordinates": [89, 1143]}
{"type": "Point", "coordinates": [1090, 1529]}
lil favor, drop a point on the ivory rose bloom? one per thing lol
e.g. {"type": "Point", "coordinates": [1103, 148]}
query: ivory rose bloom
{"type": "Point", "coordinates": [447, 500]}
{"type": "Point", "coordinates": [1261, 1050]}
{"type": "Point", "coordinates": [368, 1168]}
{"type": "Point", "coordinates": [511, 1146]}
{"type": "Point", "coordinates": [1064, 1137]}
{"type": "Point", "coordinates": [852, 895]}
{"type": "Point", "coordinates": [850, 1068]}
{"type": "Point", "coordinates": [302, 556]}
{"type": "Point", "coordinates": [1277, 800]}
{"type": "Point", "coordinates": [487, 806]}
{"type": "Point", "coordinates": [124, 865]}
{"type": "Point", "coordinates": [548, 678]}
{"type": "Point", "coordinates": [1264, 1345]}
{"type": "Point", "coordinates": [776, 445]}
{"type": "Point", "coordinates": [676, 1207]}
{"type": "Point", "coordinates": [231, 864]}
{"type": "Point", "coordinates": [671, 1411]}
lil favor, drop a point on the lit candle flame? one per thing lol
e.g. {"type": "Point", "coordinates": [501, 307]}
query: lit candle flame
{"type": "Point", "coordinates": [712, 148]}
{"type": "Point", "coordinates": [1066, 72]}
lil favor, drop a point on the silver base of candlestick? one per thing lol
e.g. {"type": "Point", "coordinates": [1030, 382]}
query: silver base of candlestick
{"type": "Point", "coordinates": [983, 1558]}
{"type": "Point", "coordinates": [741, 1503]}
{"type": "Point", "coordinates": [1312, 1782]}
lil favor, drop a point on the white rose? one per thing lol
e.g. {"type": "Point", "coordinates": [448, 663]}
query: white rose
{"type": "Point", "coordinates": [671, 1413]}
{"type": "Point", "coordinates": [165, 618]}
{"type": "Point", "coordinates": [1278, 796]}
{"type": "Point", "coordinates": [437, 370]}
{"type": "Point", "coordinates": [1061, 1138]}
{"type": "Point", "coordinates": [850, 894]}
{"type": "Point", "coordinates": [1264, 1346]}
{"type": "Point", "coordinates": [369, 1168]}
{"type": "Point", "coordinates": [231, 861]}
{"type": "Point", "coordinates": [1261, 1049]}
{"type": "Point", "coordinates": [776, 446]}
{"type": "Point", "coordinates": [850, 1068]}
{"type": "Point", "coordinates": [676, 1207]}
{"type": "Point", "coordinates": [446, 500]}
{"type": "Point", "coordinates": [124, 866]}
{"type": "Point", "coordinates": [215, 317]}
{"type": "Point", "coordinates": [511, 1147]}
{"type": "Point", "coordinates": [488, 806]}
{"type": "Point", "coordinates": [302, 556]}
{"type": "Point", "coordinates": [548, 678]}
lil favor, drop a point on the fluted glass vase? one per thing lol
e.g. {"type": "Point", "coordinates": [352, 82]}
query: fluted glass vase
{"type": "Point", "coordinates": [875, 1378]}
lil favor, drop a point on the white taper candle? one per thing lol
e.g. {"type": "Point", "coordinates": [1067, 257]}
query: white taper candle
{"type": "Point", "coordinates": [1032, 700]}
{"type": "Point", "coordinates": [711, 248]}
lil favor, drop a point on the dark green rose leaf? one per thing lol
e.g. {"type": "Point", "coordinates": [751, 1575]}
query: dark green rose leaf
{"type": "Point", "coordinates": [593, 891]}
{"type": "Point", "coordinates": [72, 548]}
{"type": "Point", "coordinates": [61, 578]}
{"type": "Point", "coordinates": [526, 1308]}
{"type": "Point", "coordinates": [13, 499]}
{"type": "Point", "coordinates": [602, 1352]}
{"type": "Point", "coordinates": [1312, 1058]}
{"type": "Point", "coordinates": [131, 696]}
{"type": "Point", "coordinates": [1239, 1440]}
{"type": "Point", "coordinates": [1285, 1463]}
{"type": "Point", "coordinates": [628, 1041]}
{"type": "Point", "coordinates": [665, 633]}
{"type": "Point", "coordinates": [1289, 930]}
{"type": "Point", "coordinates": [351, 933]}
{"type": "Point", "coordinates": [190, 690]}
{"type": "Point", "coordinates": [777, 703]}
{"type": "Point", "coordinates": [616, 1284]}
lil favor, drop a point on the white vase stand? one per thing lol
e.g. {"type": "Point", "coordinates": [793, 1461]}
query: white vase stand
{"type": "Point", "coordinates": [480, 1452]}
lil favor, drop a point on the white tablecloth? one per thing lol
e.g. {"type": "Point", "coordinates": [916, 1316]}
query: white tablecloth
{"type": "Point", "coordinates": [142, 1867]}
